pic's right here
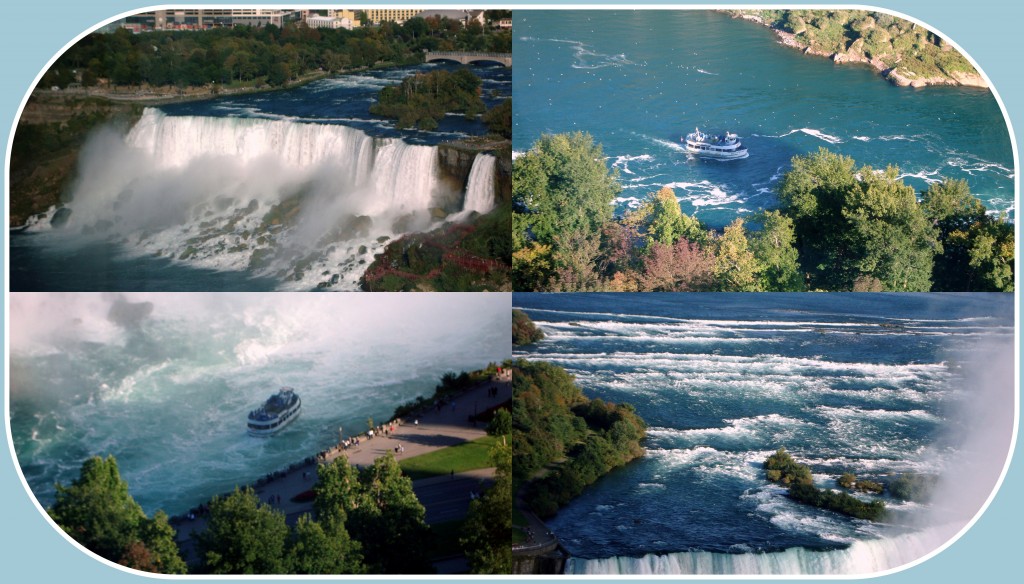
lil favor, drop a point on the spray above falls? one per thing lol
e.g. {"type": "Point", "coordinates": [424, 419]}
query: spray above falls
{"type": "Point", "coordinates": [304, 204]}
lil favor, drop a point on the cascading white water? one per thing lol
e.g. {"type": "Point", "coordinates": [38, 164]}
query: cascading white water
{"type": "Point", "coordinates": [861, 557]}
{"type": "Point", "coordinates": [405, 177]}
{"type": "Point", "coordinates": [480, 186]}
{"type": "Point", "coordinates": [175, 141]}
{"type": "Point", "coordinates": [306, 202]}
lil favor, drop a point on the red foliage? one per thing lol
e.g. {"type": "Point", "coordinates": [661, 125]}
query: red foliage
{"type": "Point", "coordinates": [682, 267]}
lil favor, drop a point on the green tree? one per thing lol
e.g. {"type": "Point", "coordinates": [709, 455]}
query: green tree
{"type": "Point", "coordinates": [668, 224]}
{"type": "Point", "coordinates": [853, 224]}
{"type": "Point", "coordinates": [97, 509]}
{"type": "Point", "coordinates": [892, 239]}
{"type": "Point", "coordinates": [524, 331]}
{"type": "Point", "coordinates": [487, 538]}
{"type": "Point", "coordinates": [158, 538]}
{"type": "Point", "coordinates": [98, 512]}
{"type": "Point", "coordinates": [388, 520]}
{"type": "Point", "coordinates": [977, 249]}
{"type": "Point", "coordinates": [552, 420]}
{"type": "Point", "coordinates": [499, 119]}
{"type": "Point", "coordinates": [337, 491]}
{"type": "Point", "coordinates": [773, 248]}
{"type": "Point", "coordinates": [243, 536]}
{"type": "Point", "coordinates": [501, 423]}
{"type": "Point", "coordinates": [781, 468]}
{"type": "Point", "coordinates": [313, 550]}
{"type": "Point", "coordinates": [562, 194]}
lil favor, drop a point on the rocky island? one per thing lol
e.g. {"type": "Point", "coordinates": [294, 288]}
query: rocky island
{"type": "Point", "coordinates": [906, 54]}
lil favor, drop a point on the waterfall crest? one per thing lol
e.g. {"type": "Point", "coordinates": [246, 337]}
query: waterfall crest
{"type": "Point", "coordinates": [860, 557]}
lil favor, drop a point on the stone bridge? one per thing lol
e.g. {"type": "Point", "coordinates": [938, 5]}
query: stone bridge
{"type": "Point", "coordinates": [466, 57]}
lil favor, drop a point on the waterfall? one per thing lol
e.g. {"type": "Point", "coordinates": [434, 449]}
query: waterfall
{"type": "Point", "coordinates": [311, 201]}
{"type": "Point", "coordinates": [480, 186]}
{"type": "Point", "coordinates": [177, 141]}
{"type": "Point", "coordinates": [861, 557]}
{"type": "Point", "coordinates": [405, 177]}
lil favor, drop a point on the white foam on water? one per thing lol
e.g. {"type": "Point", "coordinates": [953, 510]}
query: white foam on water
{"type": "Point", "coordinates": [928, 176]}
{"type": "Point", "coordinates": [622, 162]}
{"type": "Point", "coordinates": [810, 132]}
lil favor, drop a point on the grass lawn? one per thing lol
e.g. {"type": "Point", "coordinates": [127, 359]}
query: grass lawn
{"type": "Point", "coordinates": [461, 457]}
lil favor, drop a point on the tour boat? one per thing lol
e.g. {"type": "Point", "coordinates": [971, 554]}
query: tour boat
{"type": "Point", "coordinates": [276, 413]}
{"type": "Point", "coordinates": [725, 147]}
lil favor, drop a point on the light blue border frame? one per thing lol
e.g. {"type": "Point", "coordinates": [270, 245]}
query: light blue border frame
{"type": "Point", "coordinates": [34, 32]}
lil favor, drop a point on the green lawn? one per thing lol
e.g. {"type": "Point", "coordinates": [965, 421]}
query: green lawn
{"type": "Point", "coordinates": [461, 457]}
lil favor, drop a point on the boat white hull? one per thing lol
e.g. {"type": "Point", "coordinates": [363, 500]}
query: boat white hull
{"type": "Point", "coordinates": [722, 155]}
{"type": "Point", "coordinates": [275, 429]}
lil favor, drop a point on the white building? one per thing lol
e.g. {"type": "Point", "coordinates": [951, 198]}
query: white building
{"type": "Point", "coordinates": [328, 22]}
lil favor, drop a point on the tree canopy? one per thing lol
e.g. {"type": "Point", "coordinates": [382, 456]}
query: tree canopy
{"type": "Point", "coordinates": [978, 249]}
{"type": "Point", "coordinates": [98, 512]}
{"type": "Point", "coordinates": [553, 420]}
{"type": "Point", "coordinates": [524, 332]}
{"type": "Point", "coordinates": [245, 54]}
{"type": "Point", "coordinates": [487, 532]}
{"type": "Point", "coordinates": [243, 536]}
{"type": "Point", "coordinates": [379, 510]}
{"type": "Point", "coordinates": [562, 194]}
{"type": "Point", "coordinates": [854, 225]}
{"type": "Point", "coordinates": [422, 99]}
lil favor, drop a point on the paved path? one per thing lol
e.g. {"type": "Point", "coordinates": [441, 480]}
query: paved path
{"type": "Point", "coordinates": [445, 498]}
{"type": "Point", "coordinates": [539, 539]}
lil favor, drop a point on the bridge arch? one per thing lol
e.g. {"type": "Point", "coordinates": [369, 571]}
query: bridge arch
{"type": "Point", "coordinates": [466, 57]}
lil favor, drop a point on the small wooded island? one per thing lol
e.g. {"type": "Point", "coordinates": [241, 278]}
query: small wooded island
{"type": "Point", "coordinates": [781, 468]}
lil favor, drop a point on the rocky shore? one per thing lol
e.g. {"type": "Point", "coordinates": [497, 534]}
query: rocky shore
{"type": "Point", "coordinates": [898, 75]}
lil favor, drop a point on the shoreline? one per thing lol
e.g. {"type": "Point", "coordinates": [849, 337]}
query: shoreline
{"type": "Point", "coordinates": [893, 75]}
{"type": "Point", "coordinates": [428, 429]}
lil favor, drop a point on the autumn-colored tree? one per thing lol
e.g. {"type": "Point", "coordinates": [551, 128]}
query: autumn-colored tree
{"type": "Point", "coordinates": [681, 267]}
{"type": "Point", "coordinates": [736, 268]}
